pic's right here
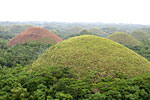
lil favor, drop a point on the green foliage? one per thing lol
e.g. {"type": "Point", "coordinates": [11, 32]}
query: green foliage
{"type": "Point", "coordinates": [143, 49]}
{"type": "Point", "coordinates": [146, 29]}
{"type": "Point", "coordinates": [3, 30]}
{"type": "Point", "coordinates": [123, 38]}
{"type": "Point", "coordinates": [19, 83]}
{"type": "Point", "coordinates": [92, 54]}
{"type": "Point", "coordinates": [6, 36]}
{"type": "Point", "coordinates": [62, 96]}
{"type": "Point", "coordinates": [23, 54]}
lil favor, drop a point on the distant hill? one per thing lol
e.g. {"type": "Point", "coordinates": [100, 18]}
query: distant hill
{"type": "Point", "coordinates": [73, 30]}
{"type": "Point", "coordinates": [15, 29]}
{"type": "Point", "coordinates": [83, 32]}
{"type": "Point", "coordinates": [146, 29]}
{"type": "Point", "coordinates": [94, 55]}
{"type": "Point", "coordinates": [35, 34]}
{"type": "Point", "coordinates": [123, 38]}
{"type": "Point", "coordinates": [140, 35]}
{"type": "Point", "coordinates": [100, 32]}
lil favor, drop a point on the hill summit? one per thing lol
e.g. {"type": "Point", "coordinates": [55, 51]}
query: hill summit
{"type": "Point", "coordinates": [92, 54]}
{"type": "Point", "coordinates": [35, 34]}
{"type": "Point", "coordinates": [123, 38]}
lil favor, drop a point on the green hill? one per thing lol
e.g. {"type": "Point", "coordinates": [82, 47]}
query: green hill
{"type": "Point", "coordinates": [146, 29]}
{"type": "Point", "coordinates": [91, 54]}
{"type": "Point", "coordinates": [98, 31]}
{"type": "Point", "coordinates": [140, 35]}
{"type": "Point", "coordinates": [123, 38]}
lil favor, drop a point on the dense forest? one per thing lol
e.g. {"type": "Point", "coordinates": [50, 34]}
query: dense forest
{"type": "Point", "coordinates": [20, 81]}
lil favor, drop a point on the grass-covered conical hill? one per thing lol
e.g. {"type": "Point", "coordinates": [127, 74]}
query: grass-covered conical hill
{"type": "Point", "coordinates": [34, 35]}
{"type": "Point", "coordinates": [123, 38]}
{"type": "Point", "coordinates": [100, 56]}
{"type": "Point", "coordinates": [140, 35]}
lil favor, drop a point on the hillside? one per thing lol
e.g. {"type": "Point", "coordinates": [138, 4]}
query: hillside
{"type": "Point", "coordinates": [95, 55]}
{"type": "Point", "coordinates": [140, 35]}
{"type": "Point", "coordinates": [123, 38]}
{"type": "Point", "coordinates": [35, 34]}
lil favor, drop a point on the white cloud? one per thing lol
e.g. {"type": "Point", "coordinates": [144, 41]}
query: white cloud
{"type": "Point", "coordinates": [117, 11]}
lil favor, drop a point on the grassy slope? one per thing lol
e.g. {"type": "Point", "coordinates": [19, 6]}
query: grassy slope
{"type": "Point", "coordinates": [123, 38]}
{"type": "Point", "coordinates": [88, 53]}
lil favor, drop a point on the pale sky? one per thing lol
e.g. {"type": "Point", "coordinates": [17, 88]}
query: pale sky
{"type": "Point", "coordinates": [108, 11]}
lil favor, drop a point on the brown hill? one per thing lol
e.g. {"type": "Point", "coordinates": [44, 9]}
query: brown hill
{"type": "Point", "coordinates": [35, 34]}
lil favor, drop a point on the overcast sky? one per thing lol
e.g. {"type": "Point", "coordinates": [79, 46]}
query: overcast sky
{"type": "Point", "coordinates": [109, 11]}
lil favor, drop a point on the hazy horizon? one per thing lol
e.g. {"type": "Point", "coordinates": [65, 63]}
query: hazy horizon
{"type": "Point", "coordinates": [104, 11]}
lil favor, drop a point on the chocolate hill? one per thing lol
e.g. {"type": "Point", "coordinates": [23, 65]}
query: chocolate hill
{"type": "Point", "coordinates": [92, 54]}
{"type": "Point", "coordinates": [123, 38]}
{"type": "Point", "coordinates": [140, 35]}
{"type": "Point", "coordinates": [36, 34]}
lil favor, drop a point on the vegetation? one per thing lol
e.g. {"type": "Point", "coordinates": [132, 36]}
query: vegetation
{"type": "Point", "coordinates": [123, 38]}
{"type": "Point", "coordinates": [22, 54]}
{"type": "Point", "coordinates": [143, 49]}
{"type": "Point", "coordinates": [80, 68]}
{"type": "Point", "coordinates": [92, 54]}
{"type": "Point", "coordinates": [140, 35]}
{"type": "Point", "coordinates": [61, 83]}
{"type": "Point", "coordinates": [146, 29]}
{"type": "Point", "coordinates": [6, 36]}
